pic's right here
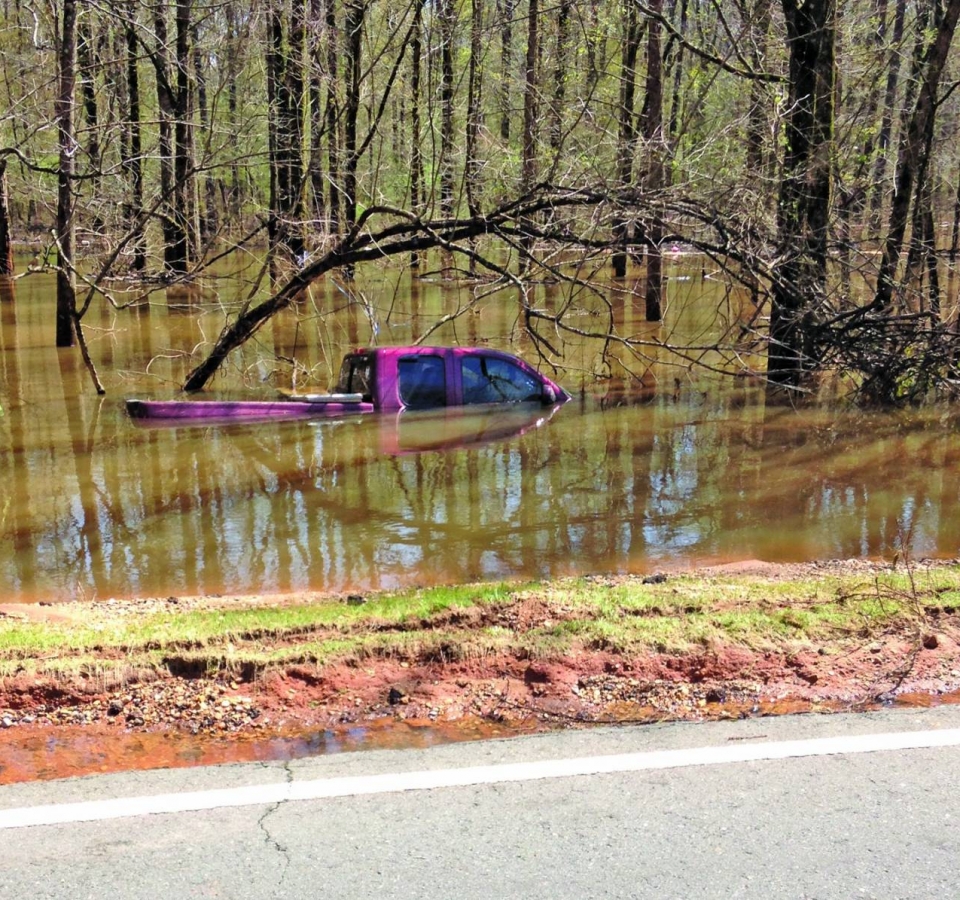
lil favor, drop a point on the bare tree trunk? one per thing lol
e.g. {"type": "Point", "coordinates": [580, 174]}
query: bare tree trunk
{"type": "Point", "coordinates": [473, 165]}
{"type": "Point", "coordinates": [929, 247]}
{"type": "Point", "coordinates": [446, 14]}
{"type": "Point", "coordinates": [560, 76]}
{"type": "Point", "coordinates": [285, 95]}
{"type": "Point", "coordinates": [886, 119]}
{"type": "Point", "coordinates": [235, 194]}
{"type": "Point", "coordinates": [184, 243]}
{"type": "Point", "coordinates": [133, 163]}
{"type": "Point", "coordinates": [922, 255]}
{"type": "Point", "coordinates": [914, 156]}
{"type": "Point", "coordinates": [316, 35]}
{"type": "Point", "coordinates": [651, 126]}
{"type": "Point", "coordinates": [530, 106]}
{"type": "Point", "coordinates": [416, 153]}
{"type": "Point", "coordinates": [593, 39]}
{"type": "Point", "coordinates": [627, 133]}
{"type": "Point", "coordinates": [333, 117]}
{"type": "Point", "coordinates": [673, 64]}
{"type": "Point", "coordinates": [86, 72]}
{"type": "Point", "coordinates": [758, 151]}
{"type": "Point", "coordinates": [505, 13]}
{"type": "Point", "coordinates": [353, 28]}
{"type": "Point", "coordinates": [955, 231]}
{"type": "Point", "coordinates": [528, 162]}
{"type": "Point", "coordinates": [879, 38]}
{"type": "Point", "coordinates": [292, 135]}
{"type": "Point", "coordinates": [803, 208]}
{"type": "Point", "coordinates": [274, 73]}
{"type": "Point", "coordinates": [167, 104]}
{"type": "Point", "coordinates": [207, 211]}
{"type": "Point", "coordinates": [66, 282]}
{"type": "Point", "coordinates": [6, 242]}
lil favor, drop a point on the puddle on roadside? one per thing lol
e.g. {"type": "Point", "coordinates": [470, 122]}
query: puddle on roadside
{"type": "Point", "coordinates": [69, 752]}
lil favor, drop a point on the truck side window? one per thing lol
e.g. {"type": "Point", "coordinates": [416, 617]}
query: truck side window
{"type": "Point", "coordinates": [422, 382]}
{"type": "Point", "coordinates": [491, 380]}
{"type": "Point", "coordinates": [355, 376]}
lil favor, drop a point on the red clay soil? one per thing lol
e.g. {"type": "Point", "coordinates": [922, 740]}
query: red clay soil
{"type": "Point", "coordinates": [177, 720]}
{"type": "Point", "coordinates": [593, 687]}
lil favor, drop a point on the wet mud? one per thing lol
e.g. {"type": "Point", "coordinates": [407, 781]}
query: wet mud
{"type": "Point", "coordinates": [59, 731]}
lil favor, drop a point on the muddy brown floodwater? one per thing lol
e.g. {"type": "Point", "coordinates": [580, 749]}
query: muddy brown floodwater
{"type": "Point", "coordinates": [638, 472]}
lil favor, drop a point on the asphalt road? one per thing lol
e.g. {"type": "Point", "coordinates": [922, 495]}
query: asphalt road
{"type": "Point", "coordinates": [828, 824]}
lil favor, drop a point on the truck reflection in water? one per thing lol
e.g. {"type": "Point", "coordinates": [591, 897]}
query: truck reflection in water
{"type": "Point", "coordinates": [409, 431]}
{"type": "Point", "coordinates": [460, 428]}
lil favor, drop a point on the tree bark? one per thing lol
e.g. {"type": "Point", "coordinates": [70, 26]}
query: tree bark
{"type": "Point", "coordinates": [758, 151]}
{"type": "Point", "coordinates": [235, 199]}
{"type": "Point", "coordinates": [285, 95]}
{"type": "Point", "coordinates": [799, 288]}
{"type": "Point", "coordinates": [675, 68]}
{"type": "Point", "coordinates": [955, 231]}
{"type": "Point", "coordinates": [528, 161]}
{"type": "Point", "coordinates": [207, 210]}
{"type": "Point", "coordinates": [293, 136]}
{"type": "Point", "coordinates": [274, 77]}
{"type": "Point", "coordinates": [530, 105]}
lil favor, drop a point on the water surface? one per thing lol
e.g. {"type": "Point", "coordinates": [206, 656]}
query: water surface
{"type": "Point", "coordinates": [635, 474]}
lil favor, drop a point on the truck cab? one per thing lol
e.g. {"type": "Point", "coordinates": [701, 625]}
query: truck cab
{"type": "Point", "coordinates": [396, 378]}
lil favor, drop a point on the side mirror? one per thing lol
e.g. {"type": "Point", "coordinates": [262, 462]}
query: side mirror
{"type": "Point", "coordinates": [549, 395]}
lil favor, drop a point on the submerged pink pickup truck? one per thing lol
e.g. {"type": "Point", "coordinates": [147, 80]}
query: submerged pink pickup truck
{"type": "Point", "coordinates": [383, 379]}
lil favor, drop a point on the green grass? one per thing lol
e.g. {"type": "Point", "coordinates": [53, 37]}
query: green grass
{"type": "Point", "coordinates": [685, 613]}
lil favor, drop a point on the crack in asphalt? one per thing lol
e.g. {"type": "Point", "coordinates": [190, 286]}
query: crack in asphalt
{"type": "Point", "coordinates": [268, 838]}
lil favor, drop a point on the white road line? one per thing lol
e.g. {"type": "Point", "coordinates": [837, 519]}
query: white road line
{"type": "Point", "coordinates": [258, 795]}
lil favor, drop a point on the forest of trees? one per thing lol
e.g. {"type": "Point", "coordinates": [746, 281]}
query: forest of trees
{"type": "Point", "coordinates": [804, 147]}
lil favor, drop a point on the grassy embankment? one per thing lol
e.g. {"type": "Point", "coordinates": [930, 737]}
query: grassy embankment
{"type": "Point", "coordinates": [532, 621]}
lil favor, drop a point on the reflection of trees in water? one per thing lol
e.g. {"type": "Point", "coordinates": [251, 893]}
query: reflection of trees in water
{"type": "Point", "coordinates": [14, 509]}
{"type": "Point", "coordinates": [279, 507]}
